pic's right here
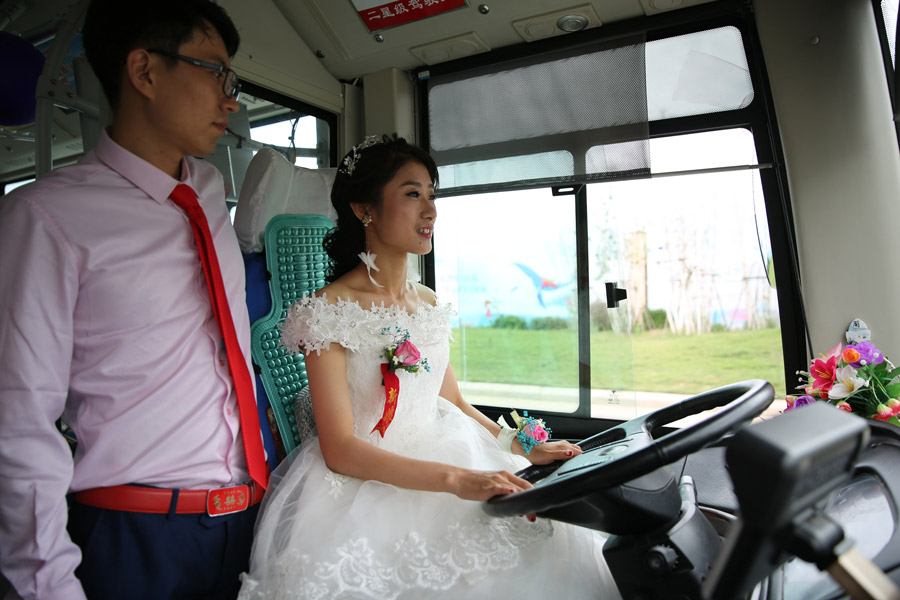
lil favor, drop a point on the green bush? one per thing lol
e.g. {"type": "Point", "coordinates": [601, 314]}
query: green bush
{"type": "Point", "coordinates": [549, 323]}
{"type": "Point", "coordinates": [509, 322]}
{"type": "Point", "coordinates": [657, 318]}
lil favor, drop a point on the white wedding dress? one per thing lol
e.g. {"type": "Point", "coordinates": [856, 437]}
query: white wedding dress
{"type": "Point", "coordinates": [324, 535]}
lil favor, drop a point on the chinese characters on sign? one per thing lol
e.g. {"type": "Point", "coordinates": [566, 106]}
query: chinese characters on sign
{"type": "Point", "coordinates": [379, 15]}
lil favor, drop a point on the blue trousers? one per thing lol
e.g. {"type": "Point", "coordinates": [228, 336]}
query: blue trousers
{"type": "Point", "coordinates": [137, 555]}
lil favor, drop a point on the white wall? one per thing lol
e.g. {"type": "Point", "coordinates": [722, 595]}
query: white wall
{"type": "Point", "coordinates": [389, 104]}
{"type": "Point", "coordinates": [842, 160]}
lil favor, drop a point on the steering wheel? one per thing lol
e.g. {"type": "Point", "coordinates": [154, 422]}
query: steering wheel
{"type": "Point", "coordinates": [627, 452]}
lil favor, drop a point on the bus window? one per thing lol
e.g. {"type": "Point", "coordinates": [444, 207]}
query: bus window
{"type": "Point", "coordinates": [304, 134]}
{"type": "Point", "coordinates": [692, 252]}
{"type": "Point", "coordinates": [296, 132]}
{"type": "Point", "coordinates": [675, 219]}
{"type": "Point", "coordinates": [697, 264]}
{"type": "Point", "coordinates": [301, 133]}
{"type": "Point", "coordinates": [506, 261]}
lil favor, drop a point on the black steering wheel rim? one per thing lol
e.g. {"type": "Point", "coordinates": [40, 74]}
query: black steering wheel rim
{"type": "Point", "coordinates": [740, 403]}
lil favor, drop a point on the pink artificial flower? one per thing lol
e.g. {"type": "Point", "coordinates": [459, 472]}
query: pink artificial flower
{"type": "Point", "coordinates": [822, 372]}
{"type": "Point", "coordinates": [406, 354]}
{"type": "Point", "coordinates": [789, 400]}
{"type": "Point", "coordinates": [844, 406]}
{"type": "Point", "coordinates": [882, 412]}
{"type": "Point", "coordinates": [894, 405]}
{"type": "Point", "coordinates": [538, 433]}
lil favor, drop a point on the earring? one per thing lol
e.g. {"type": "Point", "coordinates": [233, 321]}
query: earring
{"type": "Point", "coordinates": [367, 257]}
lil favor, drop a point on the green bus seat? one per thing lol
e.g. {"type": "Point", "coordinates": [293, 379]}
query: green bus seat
{"type": "Point", "coordinates": [296, 263]}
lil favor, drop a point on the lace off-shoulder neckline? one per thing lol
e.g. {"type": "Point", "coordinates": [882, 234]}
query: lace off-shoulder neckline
{"type": "Point", "coordinates": [313, 324]}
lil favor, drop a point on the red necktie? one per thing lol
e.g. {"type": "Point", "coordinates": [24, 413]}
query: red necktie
{"type": "Point", "coordinates": [184, 197]}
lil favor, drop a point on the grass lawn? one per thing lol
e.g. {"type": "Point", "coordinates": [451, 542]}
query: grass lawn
{"type": "Point", "coordinates": [662, 362]}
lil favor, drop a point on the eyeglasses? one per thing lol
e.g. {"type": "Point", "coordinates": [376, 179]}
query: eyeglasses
{"type": "Point", "coordinates": [230, 85]}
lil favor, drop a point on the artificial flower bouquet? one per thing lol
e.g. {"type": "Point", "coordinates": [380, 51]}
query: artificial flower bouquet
{"type": "Point", "coordinates": [856, 378]}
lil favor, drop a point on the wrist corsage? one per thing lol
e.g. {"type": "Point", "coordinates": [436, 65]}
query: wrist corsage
{"type": "Point", "coordinates": [530, 432]}
{"type": "Point", "coordinates": [402, 355]}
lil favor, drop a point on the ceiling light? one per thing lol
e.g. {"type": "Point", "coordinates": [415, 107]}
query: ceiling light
{"type": "Point", "coordinates": [570, 23]}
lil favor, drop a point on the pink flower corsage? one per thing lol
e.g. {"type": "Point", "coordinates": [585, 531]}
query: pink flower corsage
{"type": "Point", "coordinates": [401, 355]}
{"type": "Point", "coordinates": [530, 432]}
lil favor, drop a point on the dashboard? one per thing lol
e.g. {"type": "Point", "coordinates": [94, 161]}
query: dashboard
{"type": "Point", "coordinates": [865, 507]}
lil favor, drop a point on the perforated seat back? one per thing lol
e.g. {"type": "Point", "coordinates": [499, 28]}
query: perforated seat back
{"type": "Point", "coordinates": [296, 262]}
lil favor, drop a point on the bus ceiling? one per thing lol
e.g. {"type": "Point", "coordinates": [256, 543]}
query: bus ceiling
{"type": "Point", "coordinates": [315, 51]}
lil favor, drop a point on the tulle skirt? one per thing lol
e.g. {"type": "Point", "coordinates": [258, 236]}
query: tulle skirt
{"type": "Point", "coordinates": [321, 535]}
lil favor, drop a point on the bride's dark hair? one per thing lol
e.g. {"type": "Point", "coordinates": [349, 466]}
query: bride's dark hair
{"type": "Point", "coordinates": [361, 177]}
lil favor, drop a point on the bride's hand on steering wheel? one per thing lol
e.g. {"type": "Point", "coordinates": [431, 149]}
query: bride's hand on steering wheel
{"type": "Point", "coordinates": [481, 485]}
{"type": "Point", "coordinates": [546, 453]}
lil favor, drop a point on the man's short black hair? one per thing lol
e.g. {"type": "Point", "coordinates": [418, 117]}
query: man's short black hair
{"type": "Point", "coordinates": [113, 28]}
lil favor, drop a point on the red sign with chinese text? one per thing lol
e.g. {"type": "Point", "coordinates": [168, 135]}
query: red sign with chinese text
{"type": "Point", "coordinates": [400, 12]}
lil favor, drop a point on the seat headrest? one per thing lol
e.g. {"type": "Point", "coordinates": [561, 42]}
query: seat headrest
{"type": "Point", "coordinates": [273, 186]}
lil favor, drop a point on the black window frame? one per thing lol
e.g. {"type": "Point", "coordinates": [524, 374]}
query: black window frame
{"type": "Point", "coordinates": [889, 67]}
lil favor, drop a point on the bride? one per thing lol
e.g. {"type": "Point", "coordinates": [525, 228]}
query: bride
{"type": "Point", "coordinates": [380, 504]}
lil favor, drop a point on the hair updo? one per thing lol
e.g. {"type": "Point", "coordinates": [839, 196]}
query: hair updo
{"type": "Point", "coordinates": [361, 177]}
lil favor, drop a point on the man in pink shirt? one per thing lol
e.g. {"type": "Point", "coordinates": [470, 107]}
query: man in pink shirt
{"type": "Point", "coordinates": [105, 321]}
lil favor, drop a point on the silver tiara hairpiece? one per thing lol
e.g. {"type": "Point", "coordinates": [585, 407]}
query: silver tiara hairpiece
{"type": "Point", "coordinates": [348, 165]}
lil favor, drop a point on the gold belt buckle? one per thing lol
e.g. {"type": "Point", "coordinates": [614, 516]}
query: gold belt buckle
{"type": "Point", "coordinates": [227, 500]}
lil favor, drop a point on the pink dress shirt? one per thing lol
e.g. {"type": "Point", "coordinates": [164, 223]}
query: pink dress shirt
{"type": "Point", "coordinates": [105, 319]}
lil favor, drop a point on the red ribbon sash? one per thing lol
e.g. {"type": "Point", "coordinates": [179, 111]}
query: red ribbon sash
{"type": "Point", "coordinates": [391, 392]}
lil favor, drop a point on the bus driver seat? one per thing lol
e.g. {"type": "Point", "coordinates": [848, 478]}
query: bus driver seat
{"type": "Point", "coordinates": [282, 215]}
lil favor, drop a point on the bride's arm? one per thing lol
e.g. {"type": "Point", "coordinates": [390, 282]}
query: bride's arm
{"type": "Point", "coordinates": [541, 454]}
{"type": "Point", "coordinates": [344, 453]}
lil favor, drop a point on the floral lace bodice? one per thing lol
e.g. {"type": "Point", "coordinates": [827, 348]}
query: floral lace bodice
{"type": "Point", "coordinates": [312, 325]}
